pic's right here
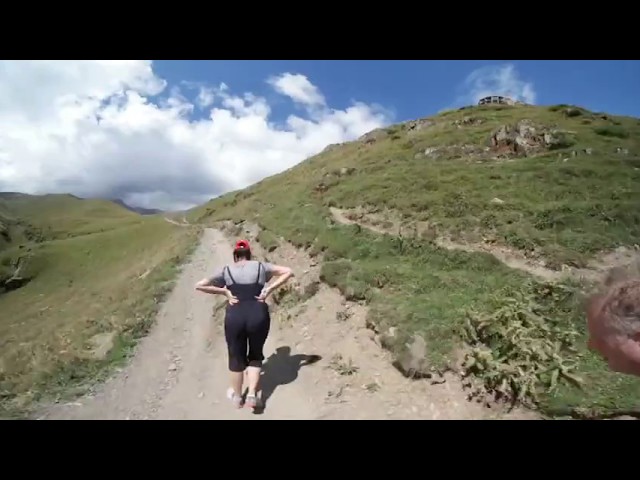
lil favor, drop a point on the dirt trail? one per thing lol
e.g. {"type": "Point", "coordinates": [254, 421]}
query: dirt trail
{"type": "Point", "coordinates": [597, 269]}
{"type": "Point", "coordinates": [179, 370]}
{"type": "Point", "coordinates": [179, 224]}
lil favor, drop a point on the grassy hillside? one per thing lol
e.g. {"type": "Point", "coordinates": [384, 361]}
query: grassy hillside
{"type": "Point", "coordinates": [558, 185]}
{"type": "Point", "coordinates": [13, 230]}
{"type": "Point", "coordinates": [63, 216]}
{"type": "Point", "coordinates": [6, 230]}
{"type": "Point", "coordinates": [93, 275]}
{"type": "Point", "coordinates": [27, 219]}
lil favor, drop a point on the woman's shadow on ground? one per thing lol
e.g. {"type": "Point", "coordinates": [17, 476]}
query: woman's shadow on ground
{"type": "Point", "coordinates": [281, 368]}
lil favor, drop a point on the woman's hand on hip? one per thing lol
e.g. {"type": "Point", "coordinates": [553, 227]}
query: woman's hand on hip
{"type": "Point", "coordinates": [263, 294]}
{"type": "Point", "coordinates": [231, 298]}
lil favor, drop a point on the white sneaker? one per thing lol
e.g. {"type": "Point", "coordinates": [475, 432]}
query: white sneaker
{"type": "Point", "coordinates": [234, 398]}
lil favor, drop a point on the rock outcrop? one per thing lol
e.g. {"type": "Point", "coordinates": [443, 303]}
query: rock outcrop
{"type": "Point", "coordinates": [524, 138]}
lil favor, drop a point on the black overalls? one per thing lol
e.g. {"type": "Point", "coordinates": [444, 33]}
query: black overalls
{"type": "Point", "coordinates": [246, 324]}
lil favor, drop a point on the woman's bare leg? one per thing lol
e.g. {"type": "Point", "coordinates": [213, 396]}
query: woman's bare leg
{"type": "Point", "coordinates": [253, 379]}
{"type": "Point", "coordinates": [234, 393]}
{"type": "Point", "coordinates": [236, 382]}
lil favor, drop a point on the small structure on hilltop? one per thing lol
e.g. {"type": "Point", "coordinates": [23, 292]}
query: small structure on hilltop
{"type": "Point", "coordinates": [498, 100]}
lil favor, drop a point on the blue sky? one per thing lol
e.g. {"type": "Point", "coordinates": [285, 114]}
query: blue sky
{"type": "Point", "coordinates": [417, 88]}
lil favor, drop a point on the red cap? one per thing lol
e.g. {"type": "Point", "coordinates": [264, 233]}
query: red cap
{"type": "Point", "coordinates": [242, 245]}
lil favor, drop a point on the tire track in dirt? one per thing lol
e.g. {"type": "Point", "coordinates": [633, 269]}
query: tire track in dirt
{"type": "Point", "coordinates": [179, 370]}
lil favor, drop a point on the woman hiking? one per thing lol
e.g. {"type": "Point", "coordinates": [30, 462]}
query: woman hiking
{"type": "Point", "coordinates": [247, 320]}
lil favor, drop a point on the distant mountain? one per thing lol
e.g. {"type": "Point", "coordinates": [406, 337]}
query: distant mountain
{"type": "Point", "coordinates": [140, 210]}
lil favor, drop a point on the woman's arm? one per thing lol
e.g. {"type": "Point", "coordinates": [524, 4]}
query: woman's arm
{"type": "Point", "coordinates": [206, 286]}
{"type": "Point", "coordinates": [281, 273]}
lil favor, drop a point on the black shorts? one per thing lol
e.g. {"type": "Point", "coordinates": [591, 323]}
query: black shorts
{"type": "Point", "coordinates": [246, 327]}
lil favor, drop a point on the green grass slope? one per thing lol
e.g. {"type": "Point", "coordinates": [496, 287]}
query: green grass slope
{"type": "Point", "coordinates": [62, 216]}
{"type": "Point", "coordinates": [558, 184]}
{"type": "Point", "coordinates": [94, 275]}
{"type": "Point", "coordinates": [13, 230]}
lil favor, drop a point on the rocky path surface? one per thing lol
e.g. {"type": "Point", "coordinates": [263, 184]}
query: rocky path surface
{"type": "Point", "coordinates": [319, 365]}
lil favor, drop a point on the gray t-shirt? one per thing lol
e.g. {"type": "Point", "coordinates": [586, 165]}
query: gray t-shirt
{"type": "Point", "coordinates": [243, 273]}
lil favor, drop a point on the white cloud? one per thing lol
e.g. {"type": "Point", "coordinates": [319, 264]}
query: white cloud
{"type": "Point", "coordinates": [298, 88]}
{"type": "Point", "coordinates": [115, 129]}
{"type": "Point", "coordinates": [496, 80]}
{"type": "Point", "coordinates": [205, 97]}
